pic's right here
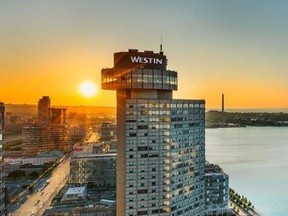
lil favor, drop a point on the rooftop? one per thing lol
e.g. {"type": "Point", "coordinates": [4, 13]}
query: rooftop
{"type": "Point", "coordinates": [212, 168]}
{"type": "Point", "coordinates": [90, 155]}
{"type": "Point", "coordinates": [53, 153]}
{"type": "Point", "coordinates": [75, 190]}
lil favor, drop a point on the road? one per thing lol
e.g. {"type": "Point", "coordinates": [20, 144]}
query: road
{"type": "Point", "coordinates": [37, 203]}
{"type": "Point", "coordinates": [92, 137]}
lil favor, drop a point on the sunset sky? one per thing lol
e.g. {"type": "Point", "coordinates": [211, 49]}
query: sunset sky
{"type": "Point", "coordinates": [239, 48]}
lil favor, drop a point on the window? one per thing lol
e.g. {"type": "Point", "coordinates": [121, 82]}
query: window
{"type": "Point", "coordinates": [142, 191]}
{"type": "Point", "coordinates": [142, 213]}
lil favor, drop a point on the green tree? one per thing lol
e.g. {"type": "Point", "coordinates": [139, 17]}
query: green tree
{"type": "Point", "coordinates": [237, 200]}
{"type": "Point", "coordinates": [241, 202]}
{"type": "Point", "coordinates": [34, 175]}
{"type": "Point", "coordinates": [17, 174]}
{"type": "Point", "coordinates": [245, 206]}
{"type": "Point", "coordinates": [249, 203]}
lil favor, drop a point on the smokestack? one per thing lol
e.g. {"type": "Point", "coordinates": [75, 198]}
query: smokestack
{"type": "Point", "coordinates": [223, 111]}
{"type": "Point", "coordinates": [223, 103]}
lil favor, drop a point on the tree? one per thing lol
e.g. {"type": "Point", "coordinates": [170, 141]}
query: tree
{"type": "Point", "coordinates": [17, 174]}
{"type": "Point", "coordinates": [46, 166]}
{"type": "Point", "coordinates": [34, 175]}
{"type": "Point", "coordinates": [241, 202]}
{"type": "Point", "coordinates": [245, 206]}
{"type": "Point", "coordinates": [237, 200]}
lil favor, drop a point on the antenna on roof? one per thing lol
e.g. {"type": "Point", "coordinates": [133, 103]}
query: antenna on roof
{"type": "Point", "coordinates": [161, 50]}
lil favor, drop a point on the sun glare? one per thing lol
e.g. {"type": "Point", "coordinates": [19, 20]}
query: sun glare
{"type": "Point", "coordinates": [88, 89]}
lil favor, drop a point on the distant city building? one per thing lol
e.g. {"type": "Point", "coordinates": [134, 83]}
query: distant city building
{"type": "Point", "coordinates": [40, 159]}
{"type": "Point", "coordinates": [77, 133]}
{"type": "Point", "coordinates": [59, 135]}
{"type": "Point", "coordinates": [43, 110]}
{"type": "Point", "coordinates": [50, 133]}
{"type": "Point", "coordinates": [97, 148]}
{"type": "Point", "coordinates": [112, 145]}
{"type": "Point", "coordinates": [35, 140]}
{"type": "Point", "coordinates": [98, 170]}
{"type": "Point", "coordinates": [223, 111]}
{"type": "Point", "coordinates": [108, 131]}
{"type": "Point", "coordinates": [217, 190]}
{"type": "Point", "coordinates": [38, 139]}
{"type": "Point", "coordinates": [2, 191]}
{"type": "Point", "coordinates": [160, 140]}
{"type": "Point", "coordinates": [57, 116]}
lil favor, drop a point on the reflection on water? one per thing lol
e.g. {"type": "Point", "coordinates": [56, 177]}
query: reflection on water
{"type": "Point", "coordinates": [256, 159]}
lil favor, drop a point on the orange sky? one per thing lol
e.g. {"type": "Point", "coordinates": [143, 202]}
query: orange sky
{"type": "Point", "coordinates": [49, 49]}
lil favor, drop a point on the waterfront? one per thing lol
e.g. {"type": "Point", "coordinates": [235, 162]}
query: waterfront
{"type": "Point", "coordinates": [256, 160]}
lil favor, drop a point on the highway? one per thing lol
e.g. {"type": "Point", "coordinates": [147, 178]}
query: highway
{"type": "Point", "coordinates": [37, 203]}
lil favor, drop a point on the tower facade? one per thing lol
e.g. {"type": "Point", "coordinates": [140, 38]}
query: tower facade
{"type": "Point", "coordinates": [43, 110]}
{"type": "Point", "coordinates": [57, 116]}
{"type": "Point", "coordinates": [160, 140]}
{"type": "Point", "coordinates": [2, 193]}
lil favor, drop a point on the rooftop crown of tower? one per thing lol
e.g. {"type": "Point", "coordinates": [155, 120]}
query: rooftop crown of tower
{"type": "Point", "coordinates": [139, 70]}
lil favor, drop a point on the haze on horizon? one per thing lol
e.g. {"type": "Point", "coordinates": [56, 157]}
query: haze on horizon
{"type": "Point", "coordinates": [239, 48]}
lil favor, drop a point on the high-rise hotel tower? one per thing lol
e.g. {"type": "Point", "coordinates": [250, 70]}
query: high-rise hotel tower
{"type": "Point", "coordinates": [2, 193]}
{"type": "Point", "coordinates": [161, 141]}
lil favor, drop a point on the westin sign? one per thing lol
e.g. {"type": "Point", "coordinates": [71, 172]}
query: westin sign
{"type": "Point", "coordinates": [140, 60]}
{"type": "Point", "coordinates": [145, 60]}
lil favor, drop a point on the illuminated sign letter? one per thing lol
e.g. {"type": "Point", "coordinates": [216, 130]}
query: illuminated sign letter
{"type": "Point", "coordinates": [145, 60]}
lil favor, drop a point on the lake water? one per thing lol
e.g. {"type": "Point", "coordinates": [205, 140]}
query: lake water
{"type": "Point", "coordinates": [256, 160]}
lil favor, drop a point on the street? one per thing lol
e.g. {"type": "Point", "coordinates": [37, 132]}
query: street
{"type": "Point", "coordinates": [37, 203]}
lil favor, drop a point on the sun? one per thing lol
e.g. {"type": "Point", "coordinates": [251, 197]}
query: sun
{"type": "Point", "coordinates": [88, 89]}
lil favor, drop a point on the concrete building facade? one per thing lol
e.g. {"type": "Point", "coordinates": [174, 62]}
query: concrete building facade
{"type": "Point", "coordinates": [160, 140]}
{"type": "Point", "coordinates": [2, 192]}
{"type": "Point", "coordinates": [57, 116]}
{"type": "Point", "coordinates": [108, 131]}
{"type": "Point", "coordinates": [216, 190]}
{"type": "Point", "coordinates": [98, 170]}
{"type": "Point", "coordinates": [38, 139]}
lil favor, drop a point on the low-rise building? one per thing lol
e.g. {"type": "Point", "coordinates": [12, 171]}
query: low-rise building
{"type": "Point", "coordinates": [97, 210]}
{"type": "Point", "coordinates": [75, 193]}
{"type": "Point", "coordinates": [216, 190]}
{"type": "Point", "coordinates": [98, 170]}
{"type": "Point", "coordinates": [40, 159]}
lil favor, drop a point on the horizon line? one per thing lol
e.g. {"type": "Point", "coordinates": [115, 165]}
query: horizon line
{"type": "Point", "coordinates": [208, 109]}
